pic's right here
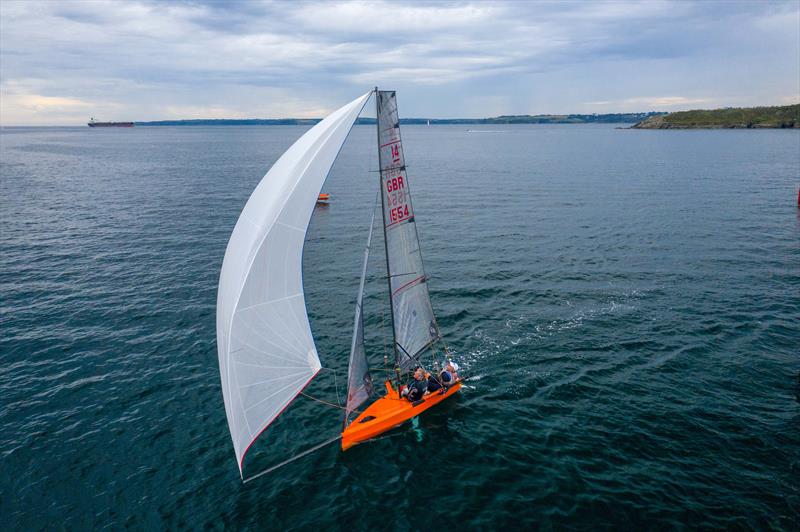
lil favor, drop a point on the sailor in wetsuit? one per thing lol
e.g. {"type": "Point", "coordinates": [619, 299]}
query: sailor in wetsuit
{"type": "Point", "coordinates": [417, 387]}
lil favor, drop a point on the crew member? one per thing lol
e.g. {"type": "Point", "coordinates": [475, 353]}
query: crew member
{"type": "Point", "coordinates": [449, 374]}
{"type": "Point", "coordinates": [417, 387]}
{"type": "Point", "coordinates": [434, 383]}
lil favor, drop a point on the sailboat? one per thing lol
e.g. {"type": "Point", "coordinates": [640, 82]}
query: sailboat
{"type": "Point", "coordinates": [267, 355]}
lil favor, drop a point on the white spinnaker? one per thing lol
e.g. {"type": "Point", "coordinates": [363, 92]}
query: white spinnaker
{"type": "Point", "coordinates": [266, 351]}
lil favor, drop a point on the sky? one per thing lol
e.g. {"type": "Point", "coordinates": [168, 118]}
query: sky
{"type": "Point", "coordinates": [62, 62]}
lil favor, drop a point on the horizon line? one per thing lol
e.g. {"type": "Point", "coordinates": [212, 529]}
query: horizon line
{"type": "Point", "coordinates": [462, 119]}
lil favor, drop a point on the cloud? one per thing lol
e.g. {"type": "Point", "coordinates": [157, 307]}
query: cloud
{"type": "Point", "coordinates": [22, 104]}
{"type": "Point", "coordinates": [387, 18]}
{"type": "Point", "coordinates": [37, 102]}
{"type": "Point", "coordinates": [149, 59]}
{"type": "Point", "coordinates": [653, 102]}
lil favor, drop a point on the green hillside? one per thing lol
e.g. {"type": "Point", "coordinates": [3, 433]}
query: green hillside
{"type": "Point", "coordinates": [787, 116]}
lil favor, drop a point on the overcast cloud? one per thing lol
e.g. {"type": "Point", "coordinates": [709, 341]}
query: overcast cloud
{"type": "Point", "coordinates": [62, 62]}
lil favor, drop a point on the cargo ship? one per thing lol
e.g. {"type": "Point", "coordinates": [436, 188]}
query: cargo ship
{"type": "Point", "coordinates": [95, 123]}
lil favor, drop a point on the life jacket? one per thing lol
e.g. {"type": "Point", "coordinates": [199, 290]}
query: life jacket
{"type": "Point", "coordinates": [416, 389]}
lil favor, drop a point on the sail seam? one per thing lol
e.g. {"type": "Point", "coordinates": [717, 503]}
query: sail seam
{"type": "Point", "coordinates": [290, 226]}
{"type": "Point", "coordinates": [272, 395]}
{"type": "Point", "coordinates": [268, 367]}
{"type": "Point", "coordinates": [292, 375]}
{"type": "Point", "coordinates": [289, 345]}
{"type": "Point", "coordinates": [268, 302]}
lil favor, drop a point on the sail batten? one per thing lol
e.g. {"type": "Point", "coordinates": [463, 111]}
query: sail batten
{"type": "Point", "coordinates": [414, 324]}
{"type": "Point", "coordinates": [261, 313]}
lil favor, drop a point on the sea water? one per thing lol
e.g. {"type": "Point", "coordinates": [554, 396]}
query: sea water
{"type": "Point", "coordinates": [625, 305]}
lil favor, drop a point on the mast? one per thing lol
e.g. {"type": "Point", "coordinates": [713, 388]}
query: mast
{"type": "Point", "coordinates": [385, 241]}
{"type": "Point", "coordinates": [416, 236]}
{"type": "Point", "coordinates": [413, 322]}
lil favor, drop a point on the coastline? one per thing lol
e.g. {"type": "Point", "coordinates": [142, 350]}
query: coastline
{"type": "Point", "coordinates": [779, 117]}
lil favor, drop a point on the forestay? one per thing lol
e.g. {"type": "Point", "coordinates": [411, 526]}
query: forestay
{"type": "Point", "coordinates": [266, 350]}
{"type": "Point", "coordinates": [359, 382]}
{"type": "Point", "coordinates": [415, 326]}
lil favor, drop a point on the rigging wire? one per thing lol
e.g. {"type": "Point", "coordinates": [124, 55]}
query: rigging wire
{"type": "Point", "coordinates": [336, 384]}
{"type": "Point", "coordinates": [304, 394]}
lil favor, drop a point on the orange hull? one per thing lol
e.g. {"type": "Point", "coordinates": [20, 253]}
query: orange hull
{"type": "Point", "coordinates": [388, 412]}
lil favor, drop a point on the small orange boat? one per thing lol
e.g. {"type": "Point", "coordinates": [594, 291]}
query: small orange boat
{"type": "Point", "coordinates": [388, 412]}
{"type": "Point", "coordinates": [324, 199]}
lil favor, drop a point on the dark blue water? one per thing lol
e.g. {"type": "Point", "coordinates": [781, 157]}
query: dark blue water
{"type": "Point", "coordinates": [627, 304]}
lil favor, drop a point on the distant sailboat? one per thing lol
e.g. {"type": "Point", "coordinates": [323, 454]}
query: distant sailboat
{"type": "Point", "coordinates": [266, 350]}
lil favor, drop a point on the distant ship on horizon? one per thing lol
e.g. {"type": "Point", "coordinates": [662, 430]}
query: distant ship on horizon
{"type": "Point", "coordinates": [95, 123]}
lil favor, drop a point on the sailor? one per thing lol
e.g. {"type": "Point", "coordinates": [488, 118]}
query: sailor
{"type": "Point", "coordinates": [417, 387]}
{"type": "Point", "coordinates": [434, 383]}
{"type": "Point", "coordinates": [449, 374]}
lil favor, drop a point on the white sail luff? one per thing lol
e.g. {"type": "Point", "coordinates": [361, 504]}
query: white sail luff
{"type": "Point", "coordinates": [264, 342]}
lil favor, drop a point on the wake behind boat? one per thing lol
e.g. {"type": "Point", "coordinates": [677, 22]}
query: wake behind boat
{"type": "Point", "coordinates": [267, 354]}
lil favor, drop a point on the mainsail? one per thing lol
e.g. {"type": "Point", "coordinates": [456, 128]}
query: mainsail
{"type": "Point", "coordinates": [359, 382]}
{"type": "Point", "coordinates": [266, 351]}
{"type": "Point", "coordinates": [415, 327]}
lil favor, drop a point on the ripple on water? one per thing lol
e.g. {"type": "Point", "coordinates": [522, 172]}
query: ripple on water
{"type": "Point", "coordinates": [624, 306]}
